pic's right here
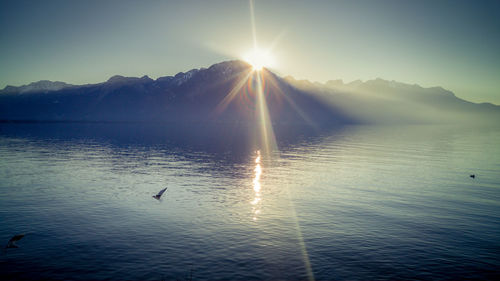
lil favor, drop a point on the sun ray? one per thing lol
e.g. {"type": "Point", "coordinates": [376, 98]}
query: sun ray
{"type": "Point", "coordinates": [300, 236]}
{"type": "Point", "coordinates": [267, 137]}
{"type": "Point", "coordinates": [276, 40]}
{"type": "Point", "coordinates": [301, 113]}
{"type": "Point", "coordinates": [254, 31]}
{"type": "Point", "coordinates": [268, 141]}
{"type": "Point", "coordinates": [232, 94]}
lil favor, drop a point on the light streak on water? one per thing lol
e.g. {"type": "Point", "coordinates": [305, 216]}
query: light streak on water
{"type": "Point", "coordinates": [256, 187]}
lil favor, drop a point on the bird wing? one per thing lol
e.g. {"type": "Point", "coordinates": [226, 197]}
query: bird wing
{"type": "Point", "coordinates": [161, 192]}
{"type": "Point", "coordinates": [16, 238]}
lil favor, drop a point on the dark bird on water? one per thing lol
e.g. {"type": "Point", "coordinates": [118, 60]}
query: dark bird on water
{"type": "Point", "coordinates": [13, 240]}
{"type": "Point", "coordinates": [473, 176]}
{"type": "Point", "coordinates": [158, 196]}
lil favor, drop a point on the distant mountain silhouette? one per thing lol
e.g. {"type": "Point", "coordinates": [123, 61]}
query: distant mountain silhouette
{"type": "Point", "coordinates": [380, 101]}
{"type": "Point", "coordinates": [43, 86]}
{"type": "Point", "coordinates": [199, 95]}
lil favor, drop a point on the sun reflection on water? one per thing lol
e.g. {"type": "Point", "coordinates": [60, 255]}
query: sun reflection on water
{"type": "Point", "coordinates": [256, 187]}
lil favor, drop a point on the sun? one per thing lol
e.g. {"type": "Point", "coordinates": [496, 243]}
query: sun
{"type": "Point", "coordinates": [259, 59]}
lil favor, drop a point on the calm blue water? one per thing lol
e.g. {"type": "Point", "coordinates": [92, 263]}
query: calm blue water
{"type": "Point", "coordinates": [357, 203]}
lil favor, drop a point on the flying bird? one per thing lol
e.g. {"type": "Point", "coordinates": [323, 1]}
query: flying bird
{"type": "Point", "coordinates": [158, 196]}
{"type": "Point", "coordinates": [473, 176]}
{"type": "Point", "coordinates": [13, 240]}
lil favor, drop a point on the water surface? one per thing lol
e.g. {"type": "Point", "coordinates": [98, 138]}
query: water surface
{"type": "Point", "coordinates": [361, 202]}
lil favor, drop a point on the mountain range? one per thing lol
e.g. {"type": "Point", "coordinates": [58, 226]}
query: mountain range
{"type": "Point", "coordinates": [201, 96]}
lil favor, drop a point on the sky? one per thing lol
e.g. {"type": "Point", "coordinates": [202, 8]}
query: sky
{"type": "Point", "coordinates": [454, 44]}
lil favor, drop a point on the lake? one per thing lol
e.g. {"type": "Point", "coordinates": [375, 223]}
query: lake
{"type": "Point", "coordinates": [354, 203]}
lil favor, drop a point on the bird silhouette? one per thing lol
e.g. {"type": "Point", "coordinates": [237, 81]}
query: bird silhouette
{"type": "Point", "coordinates": [13, 240]}
{"type": "Point", "coordinates": [473, 176]}
{"type": "Point", "coordinates": [158, 196]}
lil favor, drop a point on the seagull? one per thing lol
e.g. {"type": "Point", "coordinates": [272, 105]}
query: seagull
{"type": "Point", "coordinates": [473, 176]}
{"type": "Point", "coordinates": [12, 241]}
{"type": "Point", "coordinates": [158, 196]}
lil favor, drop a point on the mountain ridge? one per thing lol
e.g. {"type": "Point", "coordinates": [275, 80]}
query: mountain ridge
{"type": "Point", "coordinates": [180, 77]}
{"type": "Point", "coordinates": [195, 95]}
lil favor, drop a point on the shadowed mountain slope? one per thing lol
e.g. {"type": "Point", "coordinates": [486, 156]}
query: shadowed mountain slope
{"type": "Point", "coordinates": [227, 92]}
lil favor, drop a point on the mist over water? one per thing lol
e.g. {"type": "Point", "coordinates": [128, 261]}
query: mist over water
{"type": "Point", "coordinates": [356, 203]}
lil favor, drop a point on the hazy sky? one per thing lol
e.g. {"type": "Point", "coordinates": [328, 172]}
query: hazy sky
{"type": "Point", "coordinates": [454, 44]}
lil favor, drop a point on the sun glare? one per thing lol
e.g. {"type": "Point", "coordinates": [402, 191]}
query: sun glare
{"type": "Point", "coordinates": [259, 59]}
